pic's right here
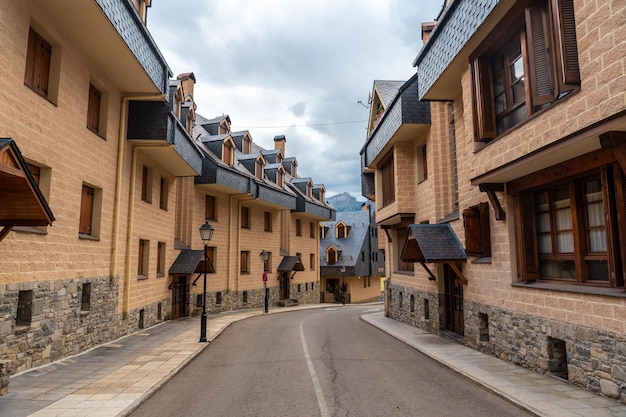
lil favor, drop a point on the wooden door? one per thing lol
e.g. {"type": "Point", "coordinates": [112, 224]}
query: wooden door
{"type": "Point", "coordinates": [284, 285]}
{"type": "Point", "coordinates": [180, 298]}
{"type": "Point", "coordinates": [454, 301]}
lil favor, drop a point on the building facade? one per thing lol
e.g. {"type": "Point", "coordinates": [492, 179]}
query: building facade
{"type": "Point", "coordinates": [351, 263]}
{"type": "Point", "coordinates": [103, 190]}
{"type": "Point", "coordinates": [523, 155]}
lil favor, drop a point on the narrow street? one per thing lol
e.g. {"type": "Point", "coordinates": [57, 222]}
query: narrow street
{"type": "Point", "coordinates": [318, 363]}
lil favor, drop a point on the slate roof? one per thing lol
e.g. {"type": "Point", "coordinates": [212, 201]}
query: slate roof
{"type": "Point", "coordinates": [388, 90]}
{"type": "Point", "coordinates": [432, 243]}
{"type": "Point", "coordinates": [188, 261]}
{"type": "Point", "coordinates": [358, 222]}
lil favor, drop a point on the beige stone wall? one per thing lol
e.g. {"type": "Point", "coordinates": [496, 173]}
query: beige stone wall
{"type": "Point", "coordinates": [600, 32]}
{"type": "Point", "coordinates": [55, 136]}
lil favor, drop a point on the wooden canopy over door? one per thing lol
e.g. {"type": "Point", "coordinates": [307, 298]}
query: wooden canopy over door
{"type": "Point", "coordinates": [21, 201]}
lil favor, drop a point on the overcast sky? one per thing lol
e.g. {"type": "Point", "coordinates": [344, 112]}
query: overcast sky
{"type": "Point", "coordinates": [294, 67]}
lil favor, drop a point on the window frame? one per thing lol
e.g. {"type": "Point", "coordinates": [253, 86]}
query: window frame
{"type": "Point", "coordinates": [550, 59]}
{"type": "Point", "coordinates": [245, 217]}
{"type": "Point", "coordinates": [210, 207]}
{"type": "Point", "coordinates": [267, 221]}
{"type": "Point", "coordinates": [613, 184]}
{"type": "Point", "coordinates": [143, 258]}
{"type": "Point", "coordinates": [38, 64]}
{"type": "Point", "coordinates": [94, 107]}
{"type": "Point", "coordinates": [298, 227]}
{"type": "Point", "coordinates": [244, 262]}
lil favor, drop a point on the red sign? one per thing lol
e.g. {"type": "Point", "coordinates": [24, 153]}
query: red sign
{"type": "Point", "coordinates": [264, 276]}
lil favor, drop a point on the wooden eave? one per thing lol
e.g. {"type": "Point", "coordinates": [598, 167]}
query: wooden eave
{"type": "Point", "coordinates": [21, 201]}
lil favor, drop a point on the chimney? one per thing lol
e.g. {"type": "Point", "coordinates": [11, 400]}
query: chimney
{"type": "Point", "coordinates": [279, 143]}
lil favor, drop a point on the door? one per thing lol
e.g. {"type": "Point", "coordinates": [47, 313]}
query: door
{"type": "Point", "coordinates": [284, 285]}
{"type": "Point", "coordinates": [180, 298]}
{"type": "Point", "coordinates": [454, 301]}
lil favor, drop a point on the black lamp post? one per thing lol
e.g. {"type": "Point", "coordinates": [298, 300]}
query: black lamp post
{"type": "Point", "coordinates": [343, 283]}
{"type": "Point", "coordinates": [206, 234]}
{"type": "Point", "coordinates": [264, 257]}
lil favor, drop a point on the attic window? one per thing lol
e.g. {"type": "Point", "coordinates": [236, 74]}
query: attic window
{"type": "Point", "coordinates": [322, 232]}
{"type": "Point", "coordinates": [341, 231]}
{"type": "Point", "coordinates": [309, 190]}
{"type": "Point", "coordinates": [258, 168]}
{"type": "Point", "coordinates": [280, 178]}
{"type": "Point", "coordinates": [331, 256]}
{"type": "Point", "coordinates": [294, 169]}
{"type": "Point", "coordinates": [245, 145]}
{"type": "Point", "coordinates": [228, 153]}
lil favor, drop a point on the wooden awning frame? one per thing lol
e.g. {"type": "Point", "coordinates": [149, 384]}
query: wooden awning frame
{"type": "Point", "coordinates": [21, 200]}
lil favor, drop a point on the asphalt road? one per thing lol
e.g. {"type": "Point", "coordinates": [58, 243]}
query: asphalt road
{"type": "Point", "coordinates": [324, 363]}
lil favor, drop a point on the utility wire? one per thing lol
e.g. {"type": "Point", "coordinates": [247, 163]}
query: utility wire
{"type": "Point", "coordinates": [310, 125]}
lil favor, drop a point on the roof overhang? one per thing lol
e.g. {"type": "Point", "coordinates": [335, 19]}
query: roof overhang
{"type": "Point", "coordinates": [21, 201]}
{"type": "Point", "coordinates": [190, 261]}
{"type": "Point", "coordinates": [434, 243]}
{"type": "Point", "coordinates": [290, 263]}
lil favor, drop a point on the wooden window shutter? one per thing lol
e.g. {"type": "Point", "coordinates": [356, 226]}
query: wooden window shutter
{"type": "Point", "coordinates": [86, 210]}
{"type": "Point", "coordinates": [541, 76]}
{"type": "Point", "coordinates": [526, 237]}
{"type": "Point", "coordinates": [93, 109]}
{"type": "Point", "coordinates": [485, 127]}
{"type": "Point", "coordinates": [477, 234]}
{"type": "Point", "coordinates": [38, 58]}
{"type": "Point", "coordinates": [566, 47]}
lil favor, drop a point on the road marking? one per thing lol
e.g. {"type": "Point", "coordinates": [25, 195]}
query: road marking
{"type": "Point", "coordinates": [371, 310]}
{"type": "Point", "coordinates": [321, 401]}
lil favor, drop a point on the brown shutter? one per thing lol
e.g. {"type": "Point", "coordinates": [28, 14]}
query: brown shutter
{"type": "Point", "coordinates": [541, 76]}
{"type": "Point", "coordinates": [471, 222]}
{"type": "Point", "coordinates": [566, 48]}
{"type": "Point", "coordinates": [485, 233]}
{"type": "Point", "coordinates": [86, 210]}
{"type": "Point", "coordinates": [484, 110]}
{"type": "Point", "coordinates": [526, 238]}
{"type": "Point", "coordinates": [93, 109]}
{"type": "Point", "coordinates": [37, 63]}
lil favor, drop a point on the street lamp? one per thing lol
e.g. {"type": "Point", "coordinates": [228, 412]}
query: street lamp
{"type": "Point", "coordinates": [206, 234]}
{"type": "Point", "coordinates": [264, 257]}
{"type": "Point", "coordinates": [343, 283]}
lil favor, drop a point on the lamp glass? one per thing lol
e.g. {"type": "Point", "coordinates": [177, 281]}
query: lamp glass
{"type": "Point", "coordinates": [206, 232]}
{"type": "Point", "coordinates": [264, 255]}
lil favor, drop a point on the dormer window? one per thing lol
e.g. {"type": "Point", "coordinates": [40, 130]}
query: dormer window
{"type": "Point", "coordinates": [309, 190]}
{"type": "Point", "coordinates": [280, 178]}
{"type": "Point", "coordinates": [245, 145]}
{"type": "Point", "coordinates": [331, 256]}
{"type": "Point", "coordinates": [224, 128]}
{"type": "Point", "coordinates": [258, 168]}
{"type": "Point", "coordinates": [177, 103]}
{"type": "Point", "coordinates": [341, 231]}
{"type": "Point", "coordinates": [228, 152]}
{"type": "Point", "coordinates": [294, 169]}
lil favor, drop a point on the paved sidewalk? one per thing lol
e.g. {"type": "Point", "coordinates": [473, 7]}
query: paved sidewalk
{"type": "Point", "coordinates": [112, 379]}
{"type": "Point", "coordinates": [540, 394]}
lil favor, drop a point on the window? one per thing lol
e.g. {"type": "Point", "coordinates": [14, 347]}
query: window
{"type": "Point", "coordinates": [93, 109]}
{"type": "Point", "coordinates": [244, 297]}
{"type": "Point", "coordinates": [534, 67]}
{"type": "Point", "coordinates": [312, 262]}
{"type": "Point", "coordinates": [210, 208]}
{"type": "Point", "coordinates": [228, 153]}
{"type": "Point", "coordinates": [38, 63]}
{"type": "Point", "coordinates": [258, 168]}
{"type": "Point", "coordinates": [24, 315]}
{"type": "Point", "coordinates": [341, 231]}
{"type": "Point", "coordinates": [568, 231]}
{"type": "Point", "coordinates": [477, 235]}
{"type": "Point", "coordinates": [244, 262]}
{"type": "Point", "coordinates": [331, 256]}
{"type": "Point", "coordinates": [218, 298]}
{"type": "Point", "coordinates": [245, 217]}
{"type": "Point", "coordinates": [161, 259]}
{"type": "Point", "coordinates": [85, 297]}
{"type": "Point", "coordinates": [210, 253]}
{"type": "Point", "coordinates": [387, 185]}
{"type": "Point", "coordinates": [280, 178]}
{"type": "Point", "coordinates": [312, 230]}
{"type": "Point", "coordinates": [86, 211]}
{"type": "Point", "coordinates": [267, 221]}
{"type": "Point", "coordinates": [245, 145]}
{"type": "Point", "coordinates": [322, 231]}
{"type": "Point", "coordinates": [298, 227]}
{"type": "Point", "coordinates": [163, 193]}
{"type": "Point", "coordinates": [146, 184]}
{"type": "Point", "coordinates": [143, 255]}
{"type": "Point", "coordinates": [422, 165]}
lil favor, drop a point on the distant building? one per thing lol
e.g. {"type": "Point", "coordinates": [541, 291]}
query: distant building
{"type": "Point", "coordinates": [351, 263]}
